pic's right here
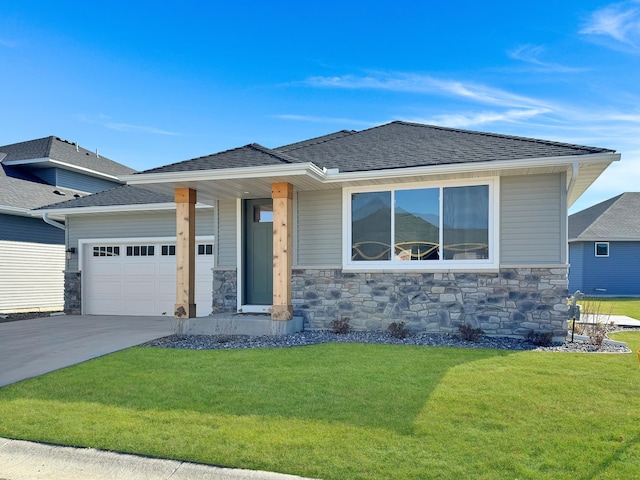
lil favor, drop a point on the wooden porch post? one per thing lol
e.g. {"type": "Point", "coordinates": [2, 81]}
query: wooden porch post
{"type": "Point", "coordinates": [282, 194]}
{"type": "Point", "coordinates": [185, 199]}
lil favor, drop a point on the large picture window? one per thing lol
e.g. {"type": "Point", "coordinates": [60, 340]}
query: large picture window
{"type": "Point", "coordinates": [435, 226]}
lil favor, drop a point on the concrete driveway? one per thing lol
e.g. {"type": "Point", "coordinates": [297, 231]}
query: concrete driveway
{"type": "Point", "coordinates": [29, 348]}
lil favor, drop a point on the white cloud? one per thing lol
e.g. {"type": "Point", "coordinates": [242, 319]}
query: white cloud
{"type": "Point", "coordinates": [425, 84]}
{"type": "Point", "coordinates": [469, 119]}
{"type": "Point", "coordinates": [531, 54]}
{"type": "Point", "coordinates": [619, 22]}
{"type": "Point", "coordinates": [106, 122]}
{"type": "Point", "coordinates": [7, 43]}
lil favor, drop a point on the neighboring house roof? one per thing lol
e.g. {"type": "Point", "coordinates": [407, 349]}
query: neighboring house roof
{"type": "Point", "coordinates": [63, 152]}
{"type": "Point", "coordinates": [613, 219]}
{"type": "Point", "coordinates": [21, 190]}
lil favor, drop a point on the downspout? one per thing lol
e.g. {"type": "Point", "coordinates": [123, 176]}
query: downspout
{"type": "Point", "coordinates": [575, 169]}
{"type": "Point", "coordinates": [53, 223]}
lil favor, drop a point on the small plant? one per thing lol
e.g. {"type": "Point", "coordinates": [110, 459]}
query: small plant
{"type": "Point", "coordinates": [398, 330]}
{"type": "Point", "coordinates": [597, 333]}
{"type": "Point", "coordinates": [341, 325]}
{"type": "Point", "coordinates": [469, 333]}
{"type": "Point", "coordinates": [541, 339]}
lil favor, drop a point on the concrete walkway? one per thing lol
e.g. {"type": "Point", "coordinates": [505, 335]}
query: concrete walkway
{"type": "Point", "coordinates": [33, 461]}
{"type": "Point", "coordinates": [29, 348]}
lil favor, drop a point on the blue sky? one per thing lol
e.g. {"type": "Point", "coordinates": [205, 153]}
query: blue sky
{"type": "Point", "coordinates": [151, 83]}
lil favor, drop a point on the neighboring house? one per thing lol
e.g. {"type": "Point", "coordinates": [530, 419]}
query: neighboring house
{"type": "Point", "coordinates": [32, 252]}
{"type": "Point", "coordinates": [404, 222]}
{"type": "Point", "coordinates": [604, 247]}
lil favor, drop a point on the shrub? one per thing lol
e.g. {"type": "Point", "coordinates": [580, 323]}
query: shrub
{"type": "Point", "coordinates": [597, 333]}
{"type": "Point", "coordinates": [469, 333]}
{"type": "Point", "coordinates": [398, 330]}
{"type": "Point", "coordinates": [541, 339]}
{"type": "Point", "coordinates": [341, 325]}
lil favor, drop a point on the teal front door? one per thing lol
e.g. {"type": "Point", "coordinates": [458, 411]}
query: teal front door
{"type": "Point", "coordinates": [258, 252]}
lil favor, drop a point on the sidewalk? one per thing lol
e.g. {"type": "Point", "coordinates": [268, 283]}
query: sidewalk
{"type": "Point", "coordinates": [21, 460]}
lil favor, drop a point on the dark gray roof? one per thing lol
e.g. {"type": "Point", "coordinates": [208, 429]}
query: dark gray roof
{"type": "Point", "coordinates": [123, 195]}
{"type": "Point", "coordinates": [19, 189]}
{"type": "Point", "coordinates": [248, 156]}
{"type": "Point", "coordinates": [404, 144]}
{"type": "Point", "coordinates": [393, 145]}
{"type": "Point", "coordinates": [615, 219]}
{"type": "Point", "coordinates": [63, 151]}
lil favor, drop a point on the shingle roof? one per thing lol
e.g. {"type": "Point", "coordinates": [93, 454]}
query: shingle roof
{"type": "Point", "coordinates": [393, 145]}
{"type": "Point", "coordinates": [403, 144]}
{"type": "Point", "coordinates": [613, 219]}
{"type": "Point", "coordinates": [68, 152]}
{"type": "Point", "coordinates": [22, 190]}
{"type": "Point", "coordinates": [123, 195]}
{"type": "Point", "coordinates": [248, 156]}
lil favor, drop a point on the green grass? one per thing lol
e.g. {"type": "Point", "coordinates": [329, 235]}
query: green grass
{"type": "Point", "coordinates": [349, 411]}
{"type": "Point", "coordinates": [619, 306]}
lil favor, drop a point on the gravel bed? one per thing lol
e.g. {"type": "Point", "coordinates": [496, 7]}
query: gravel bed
{"type": "Point", "coordinates": [313, 337]}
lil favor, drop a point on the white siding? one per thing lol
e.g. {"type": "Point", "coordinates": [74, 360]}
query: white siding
{"type": "Point", "coordinates": [226, 236]}
{"type": "Point", "coordinates": [319, 235]}
{"type": "Point", "coordinates": [131, 225]}
{"type": "Point", "coordinates": [31, 276]}
{"type": "Point", "coordinates": [532, 217]}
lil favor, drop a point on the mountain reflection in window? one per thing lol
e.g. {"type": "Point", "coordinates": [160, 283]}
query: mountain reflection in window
{"type": "Point", "coordinates": [371, 226]}
{"type": "Point", "coordinates": [466, 222]}
{"type": "Point", "coordinates": [417, 220]}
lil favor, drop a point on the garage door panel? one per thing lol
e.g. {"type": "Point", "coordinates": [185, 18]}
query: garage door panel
{"type": "Point", "coordinates": [140, 285]}
{"type": "Point", "coordinates": [111, 268]}
{"type": "Point", "coordinates": [141, 268]}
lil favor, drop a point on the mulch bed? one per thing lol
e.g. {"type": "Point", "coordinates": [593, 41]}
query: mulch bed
{"type": "Point", "coordinates": [13, 317]}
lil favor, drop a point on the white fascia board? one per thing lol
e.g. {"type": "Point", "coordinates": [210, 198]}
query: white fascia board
{"type": "Point", "coordinates": [603, 239]}
{"type": "Point", "coordinates": [65, 166]}
{"type": "Point", "coordinates": [263, 171]}
{"type": "Point", "coordinates": [567, 161]}
{"type": "Point", "coordinates": [143, 207]}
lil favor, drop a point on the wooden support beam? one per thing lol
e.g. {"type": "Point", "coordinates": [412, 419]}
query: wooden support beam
{"type": "Point", "coordinates": [282, 194]}
{"type": "Point", "coordinates": [185, 199]}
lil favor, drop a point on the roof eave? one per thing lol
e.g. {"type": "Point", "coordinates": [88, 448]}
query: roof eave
{"type": "Point", "coordinates": [98, 209]}
{"type": "Point", "coordinates": [65, 166]}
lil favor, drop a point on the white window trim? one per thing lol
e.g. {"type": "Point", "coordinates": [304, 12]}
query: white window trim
{"type": "Point", "coordinates": [492, 263]}
{"type": "Point", "coordinates": [595, 249]}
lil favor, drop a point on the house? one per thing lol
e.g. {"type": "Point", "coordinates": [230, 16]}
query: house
{"type": "Point", "coordinates": [403, 222]}
{"type": "Point", "coordinates": [604, 247]}
{"type": "Point", "coordinates": [32, 253]}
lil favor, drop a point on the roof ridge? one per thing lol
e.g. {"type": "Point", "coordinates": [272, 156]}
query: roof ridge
{"type": "Point", "coordinates": [319, 140]}
{"type": "Point", "coordinates": [280, 156]}
{"type": "Point", "coordinates": [501, 135]}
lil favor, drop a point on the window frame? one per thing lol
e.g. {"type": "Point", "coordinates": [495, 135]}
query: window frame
{"type": "Point", "coordinates": [595, 249]}
{"type": "Point", "coordinates": [492, 263]}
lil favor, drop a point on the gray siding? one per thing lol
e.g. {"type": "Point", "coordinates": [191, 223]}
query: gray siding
{"type": "Point", "coordinates": [226, 235]}
{"type": "Point", "coordinates": [532, 220]}
{"type": "Point", "coordinates": [319, 232]}
{"type": "Point", "coordinates": [74, 180]}
{"type": "Point", "coordinates": [130, 225]}
{"type": "Point", "coordinates": [25, 229]}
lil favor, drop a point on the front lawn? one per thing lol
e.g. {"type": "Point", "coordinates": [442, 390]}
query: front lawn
{"type": "Point", "coordinates": [618, 306]}
{"type": "Point", "coordinates": [349, 411]}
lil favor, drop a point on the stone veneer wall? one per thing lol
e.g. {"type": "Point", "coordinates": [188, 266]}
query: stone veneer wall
{"type": "Point", "coordinates": [72, 292]}
{"type": "Point", "coordinates": [225, 291]}
{"type": "Point", "coordinates": [511, 302]}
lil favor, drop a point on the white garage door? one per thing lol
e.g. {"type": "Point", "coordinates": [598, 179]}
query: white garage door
{"type": "Point", "coordinates": [140, 278]}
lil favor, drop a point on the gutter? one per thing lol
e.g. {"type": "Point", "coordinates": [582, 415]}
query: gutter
{"type": "Point", "coordinates": [53, 223]}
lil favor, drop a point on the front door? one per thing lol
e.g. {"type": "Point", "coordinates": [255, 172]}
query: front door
{"type": "Point", "coordinates": [258, 252]}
